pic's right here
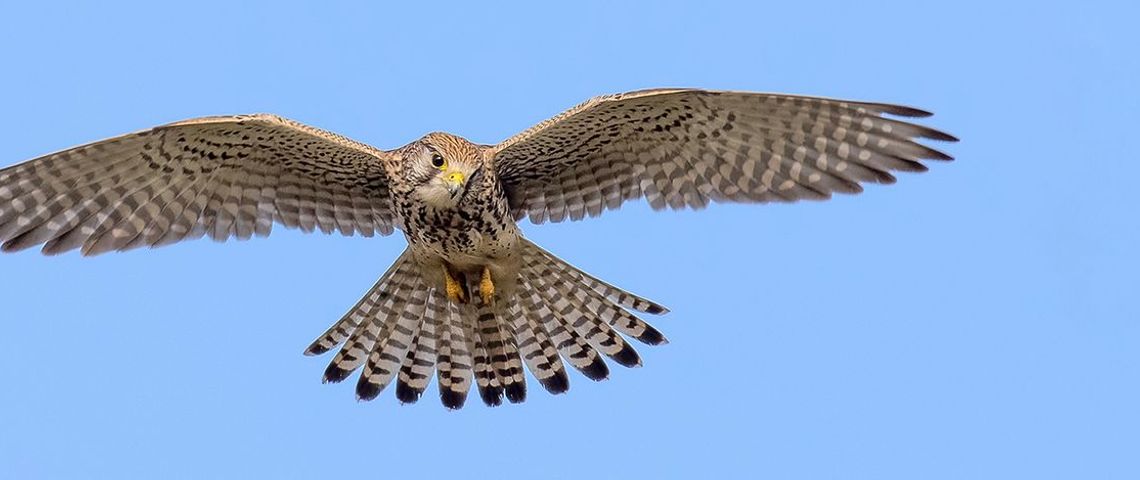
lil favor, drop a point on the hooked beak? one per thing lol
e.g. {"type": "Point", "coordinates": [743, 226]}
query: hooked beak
{"type": "Point", "coordinates": [454, 182]}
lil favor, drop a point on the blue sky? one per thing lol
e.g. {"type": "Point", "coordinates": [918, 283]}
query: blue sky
{"type": "Point", "coordinates": [976, 321]}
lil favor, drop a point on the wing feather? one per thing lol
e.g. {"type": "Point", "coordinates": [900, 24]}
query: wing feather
{"type": "Point", "coordinates": [220, 177]}
{"type": "Point", "coordinates": [687, 148]}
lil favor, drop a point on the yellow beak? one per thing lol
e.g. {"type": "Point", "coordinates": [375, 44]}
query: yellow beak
{"type": "Point", "coordinates": [454, 181]}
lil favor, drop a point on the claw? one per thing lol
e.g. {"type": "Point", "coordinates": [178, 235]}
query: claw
{"type": "Point", "coordinates": [487, 287]}
{"type": "Point", "coordinates": [454, 290]}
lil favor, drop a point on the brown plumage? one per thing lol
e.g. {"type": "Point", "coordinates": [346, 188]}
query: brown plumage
{"type": "Point", "coordinates": [470, 300]}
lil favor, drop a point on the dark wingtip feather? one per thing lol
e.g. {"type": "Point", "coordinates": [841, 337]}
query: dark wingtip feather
{"type": "Point", "coordinates": [95, 249]}
{"type": "Point", "coordinates": [516, 392]}
{"type": "Point", "coordinates": [912, 166]}
{"type": "Point", "coordinates": [335, 374]}
{"type": "Point", "coordinates": [451, 399]}
{"type": "Point", "coordinates": [939, 135]}
{"type": "Point", "coordinates": [656, 309]}
{"type": "Point", "coordinates": [406, 394]}
{"type": "Point", "coordinates": [885, 178]}
{"type": "Point", "coordinates": [596, 371]}
{"type": "Point", "coordinates": [15, 245]}
{"type": "Point", "coordinates": [51, 250]}
{"type": "Point", "coordinates": [366, 391]}
{"type": "Point", "coordinates": [627, 357]}
{"type": "Point", "coordinates": [58, 245]}
{"type": "Point", "coordinates": [557, 384]}
{"type": "Point", "coordinates": [933, 154]}
{"type": "Point", "coordinates": [903, 111]}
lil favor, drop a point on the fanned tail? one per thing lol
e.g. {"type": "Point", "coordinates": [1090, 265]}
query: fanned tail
{"type": "Point", "coordinates": [340, 331]}
{"type": "Point", "coordinates": [502, 372]}
{"type": "Point", "coordinates": [405, 329]}
{"type": "Point", "coordinates": [539, 353]}
{"type": "Point", "coordinates": [419, 363]}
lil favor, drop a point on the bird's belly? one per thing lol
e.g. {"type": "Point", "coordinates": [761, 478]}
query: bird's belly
{"type": "Point", "coordinates": [468, 249]}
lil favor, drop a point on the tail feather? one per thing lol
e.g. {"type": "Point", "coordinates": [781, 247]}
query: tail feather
{"type": "Point", "coordinates": [514, 380]}
{"type": "Point", "coordinates": [388, 353]}
{"type": "Point", "coordinates": [419, 363]}
{"type": "Point", "coordinates": [572, 346]}
{"type": "Point", "coordinates": [475, 321]}
{"type": "Point", "coordinates": [454, 361]}
{"type": "Point", "coordinates": [382, 316]}
{"type": "Point", "coordinates": [595, 302]}
{"type": "Point", "coordinates": [601, 336]}
{"type": "Point", "coordinates": [619, 296]}
{"type": "Point", "coordinates": [537, 351]}
{"type": "Point", "coordinates": [504, 364]}
{"type": "Point", "coordinates": [505, 356]}
{"type": "Point", "coordinates": [405, 329]}
{"type": "Point", "coordinates": [344, 327]}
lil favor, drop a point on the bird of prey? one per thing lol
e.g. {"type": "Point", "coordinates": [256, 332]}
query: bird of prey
{"type": "Point", "coordinates": [470, 299]}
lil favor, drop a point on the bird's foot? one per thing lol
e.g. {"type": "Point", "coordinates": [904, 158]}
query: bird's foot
{"type": "Point", "coordinates": [454, 289]}
{"type": "Point", "coordinates": [487, 287]}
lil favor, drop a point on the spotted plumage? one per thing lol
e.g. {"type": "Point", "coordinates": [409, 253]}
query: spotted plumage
{"type": "Point", "coordinates": [470, 301]}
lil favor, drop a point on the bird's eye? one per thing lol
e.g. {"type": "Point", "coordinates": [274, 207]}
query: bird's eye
{"type": "Point", "coordinates": [437, 161]}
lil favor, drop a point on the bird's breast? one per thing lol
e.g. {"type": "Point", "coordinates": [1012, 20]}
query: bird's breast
{"type": "Point", "coordinates": [469, 234]}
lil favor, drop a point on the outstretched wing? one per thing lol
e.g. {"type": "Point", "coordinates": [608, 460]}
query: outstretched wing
{"type": "Point", "coordinates": [687, 148]}
{"type": "Point", "coordinates": [231, 176]}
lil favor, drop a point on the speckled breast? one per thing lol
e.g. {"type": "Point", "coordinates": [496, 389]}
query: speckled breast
{"type": "Point", "coordinates": [478, 229]}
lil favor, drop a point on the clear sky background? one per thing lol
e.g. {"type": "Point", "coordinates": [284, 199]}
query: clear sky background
{"type": "Point", "coordinates": [976, 321]}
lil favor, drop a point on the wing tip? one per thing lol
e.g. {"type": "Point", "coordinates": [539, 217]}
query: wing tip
{"type": "Point", "coordinates": [940, 156]}
{"type": "Point", "coordinates": [12, 246]}
{"type": "Point", "coordinates": [905, 111]}
{"type": "Point", "coordinates": [942, 136]}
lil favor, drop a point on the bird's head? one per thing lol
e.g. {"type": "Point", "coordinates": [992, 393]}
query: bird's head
{"type": "Point", "coordinates": [443, 168]}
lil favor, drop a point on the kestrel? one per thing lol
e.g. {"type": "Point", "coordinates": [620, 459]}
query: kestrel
{"type": "Point", "coordinates": [469, 297]}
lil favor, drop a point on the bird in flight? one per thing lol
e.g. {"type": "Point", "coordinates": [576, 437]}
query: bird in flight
{"type": "Point", "coordinates": [470, 300]}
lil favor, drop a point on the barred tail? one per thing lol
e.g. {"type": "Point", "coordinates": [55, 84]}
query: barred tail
{"type": "Point", "coordinates": [405, 329]}
{"type": "Point", "coordinates": [365, 309]}
{"type": "Point", "coordinates": [583, 314]}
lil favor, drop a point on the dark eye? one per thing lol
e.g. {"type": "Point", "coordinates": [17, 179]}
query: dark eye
{"type": "Point", "coordinates": [437, 160]}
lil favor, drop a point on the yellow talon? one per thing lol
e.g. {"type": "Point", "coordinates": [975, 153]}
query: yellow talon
{"type": "Point", "coordinates": [487, 287]}
{"type": "Point", "coordinates": [454, 290]}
